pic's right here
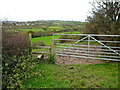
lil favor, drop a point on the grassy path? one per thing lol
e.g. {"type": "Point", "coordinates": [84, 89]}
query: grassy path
{"type": "Point", "coordinates": [82, 76]}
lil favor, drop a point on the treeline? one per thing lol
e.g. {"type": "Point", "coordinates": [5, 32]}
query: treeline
{"type": "Point", "coordinates": [50, 23]}
{"type": "Point", "coordinates": [47, 33]}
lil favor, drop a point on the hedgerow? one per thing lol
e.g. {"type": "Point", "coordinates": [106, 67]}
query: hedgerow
{"type": "Point", "coordinates": [17, 70]}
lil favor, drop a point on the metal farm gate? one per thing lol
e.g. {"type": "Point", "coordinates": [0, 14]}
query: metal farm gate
{"type": "Point", "coordinates": [88, 46]}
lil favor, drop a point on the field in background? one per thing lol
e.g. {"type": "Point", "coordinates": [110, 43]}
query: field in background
{"type": "Point", "coordinates": [47, 39]}
{"type": "Point", "coordinates": [27, 30]}
{"type": "Point", "coordinates": [43, 30]}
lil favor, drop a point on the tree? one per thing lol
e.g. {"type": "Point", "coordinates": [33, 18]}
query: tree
{"type": "Point", "coordinates": [105, 18]}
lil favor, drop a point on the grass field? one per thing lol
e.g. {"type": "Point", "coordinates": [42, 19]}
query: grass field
{"type": "Point", "coordinates": [46, 39]}
{"type": "Point", "coordinates": [82, 76]}
{"type": "Point", "coordinates": [54, 27]}
{"type": "Point", "coordinates": [27, 30]}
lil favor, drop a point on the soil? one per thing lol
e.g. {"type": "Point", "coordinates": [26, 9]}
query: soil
{"type": "Point", "coordinates": [66, 60]}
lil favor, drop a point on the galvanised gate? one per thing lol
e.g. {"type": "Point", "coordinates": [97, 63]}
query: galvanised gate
{"type": "Point", "coordinates": [88, 46]}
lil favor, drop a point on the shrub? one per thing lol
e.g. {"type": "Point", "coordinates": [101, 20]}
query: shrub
{"type": "Point", "coordinates": [16, 70]}
{"type": "Point", "coordinates": [16, 67]}
{"type": "Point", "coordinates": [51, 59]}
{"type": "Point", "coordinates": [15, 44]}
{"type": "Point", "coordinates": [41, 33]}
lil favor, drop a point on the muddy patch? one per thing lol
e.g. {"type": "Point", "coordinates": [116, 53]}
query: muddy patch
{"type": "Point", "coordinates": [73, 60]}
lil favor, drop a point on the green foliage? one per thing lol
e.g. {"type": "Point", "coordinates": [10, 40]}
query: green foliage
{"type": "Point", "coordinates": [51, 59]}
{"type": "Point", "coordinates": [16, 70]}
{"type": "Point", "coordinates": [41, 33]}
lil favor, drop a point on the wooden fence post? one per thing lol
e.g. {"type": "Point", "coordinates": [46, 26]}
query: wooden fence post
{"type": "Point", "coordinates": [52, 47]}
{"type": "Point", "coordinates": [53, 50]}
{"type": "Point", "coordinates": [30, 38]}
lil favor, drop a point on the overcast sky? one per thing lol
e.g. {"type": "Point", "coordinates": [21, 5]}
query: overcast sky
{"type": "Point", "coordinates": [30, 10]}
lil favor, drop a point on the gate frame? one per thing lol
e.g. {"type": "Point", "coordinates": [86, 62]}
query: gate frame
{"type": "Point", "coordinates": [88, 37]}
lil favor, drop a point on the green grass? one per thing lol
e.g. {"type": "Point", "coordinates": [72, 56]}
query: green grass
{"type": "Point", "coordinates": [27, 30]}
{"type": "Point", "coordinates": [46, 39]}
{"type": "Point", "coordinates": [82, 76]}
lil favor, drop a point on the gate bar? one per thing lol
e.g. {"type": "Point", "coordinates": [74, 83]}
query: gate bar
{"type": "Point", "coordinates": [88, 34]}
{"type": "Point", "coordinates": [88, 57]}
{"type": "Point", "coordinates": [88, 54]}
{"type": "Point", "coordinates": [87, 40]}
{"type": "Point", "coordinates": [92, 49]}
{"type": "Point", "coordinates": [105, 45]}
{"type": "Point", "coordinates": [84, 45]}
